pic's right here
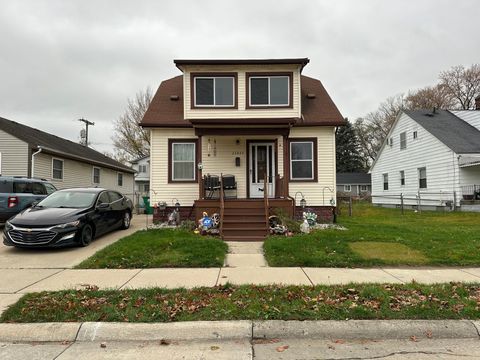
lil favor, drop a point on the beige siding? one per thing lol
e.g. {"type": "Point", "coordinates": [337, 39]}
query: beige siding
{"type": "Point", "coordinates": [318, 193]}
{"type": "Point", "coordinates": [14, 158]}
{"type": "Point", "coordinates": [160, 189]}
{"type": "Point", "coordinates": [80, 174]}
{"type": "Point", "coordinates": [241, 112]}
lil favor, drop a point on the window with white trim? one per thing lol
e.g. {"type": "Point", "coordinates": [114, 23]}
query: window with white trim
{"type": "Point", "coordinates": [415, 135]}
{"type": "Point", "coordinates": [422, 178]}
{"type": "Point", "coordinates": [347, 188]}
{"type": "Point", "coordinates": [96, 175]}
{"type": "Point", "coordinates": [301, 160]}
{"type": "Point", "coordinates": [183, 161]}
{"type": "Point", "coordinates": [403, 140]}
{"type": "Point", "coordinates": [119, 179]}
{"type": "Point", "coordinates": [57, 169]}
{"type": "Point", "coordinates": [385, 181]}
{"type": "Point", "coordinates": [218, 91]}
{"type": "Point", "coordinates": [269, 90]}
{"type": "Point", "coordinates": [363, 188]}
{"type": "Point", "coordinates": [402, 178]}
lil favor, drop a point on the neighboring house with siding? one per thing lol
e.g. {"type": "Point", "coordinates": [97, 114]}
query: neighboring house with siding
{"type": "Point", "coordinates": [25, 151]}
{"type": "Point", "coordinates": [432, 158]}
{"type": "Point", "coordinates": [142, 175]}
{"type": "Point", "coordinates": [354, 184]}
{"type": "Point", "coordinates": [254, 119]}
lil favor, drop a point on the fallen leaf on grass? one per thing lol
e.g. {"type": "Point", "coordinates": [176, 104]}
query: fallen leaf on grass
{"type": "Point", "coordinates": [428, 334]}
{"type": "Point", "coordinates": [165, 342]}
{"type": "Point", "coordinates": [282, 348]}
{"type": "Point", "coordinates": [214, 347]}
{"type": "Point", "coordinates": [103, 345]}
{"type": "Point", "coordinates": [339, 341]}
{"type": "Point", "coordinates": [413, 338]}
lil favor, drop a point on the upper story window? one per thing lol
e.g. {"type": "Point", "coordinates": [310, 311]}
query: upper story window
{"type": "Point", "coordinates": [216, 90]}
{"type": "Point", "coordinates": [403, 140]}
{"type": "Point", "coordinates": [269, 90]}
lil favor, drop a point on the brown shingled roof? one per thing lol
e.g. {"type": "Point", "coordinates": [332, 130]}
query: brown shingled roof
{"type": "Point", "coordinates": [164, 112]}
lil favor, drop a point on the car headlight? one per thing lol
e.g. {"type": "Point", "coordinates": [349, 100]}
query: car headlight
{"type": "Point", "coordinates": [68, 225]}
{"type": "Point", "coordinates": [8, 226]}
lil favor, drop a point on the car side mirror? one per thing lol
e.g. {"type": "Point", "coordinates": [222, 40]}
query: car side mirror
{"type": "Point", "coordinates": [103, 206]}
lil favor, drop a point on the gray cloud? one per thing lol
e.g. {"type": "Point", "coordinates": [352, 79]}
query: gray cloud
{"type": "Point", "coordinates": [61, 60]}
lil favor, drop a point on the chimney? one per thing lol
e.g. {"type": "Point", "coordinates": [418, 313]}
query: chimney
{"type": "Point", "coordinates": [477, 103]}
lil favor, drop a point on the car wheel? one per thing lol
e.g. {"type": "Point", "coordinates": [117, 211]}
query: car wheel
{"type": "Point", "coordinates": [126, 220]}
{"type": "Point", "coordinates": [86, 235]}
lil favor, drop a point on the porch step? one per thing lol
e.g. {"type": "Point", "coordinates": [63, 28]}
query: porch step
{"type": "Point", "coordinates": [244, 204]}
{"type": "Point", "coordinates": [247, 231]}
{"type": "Point", "coordinates": [243, 238]}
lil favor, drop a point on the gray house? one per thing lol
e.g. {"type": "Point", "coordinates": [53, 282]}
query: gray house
{"type": "Point", "coordinates": [25, 151]}
{"type": "Point", "coordinates": [354, 184]}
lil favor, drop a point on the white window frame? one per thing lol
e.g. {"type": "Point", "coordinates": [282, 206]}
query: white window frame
{"type": "Point", "coordinates": [184, 161]}
{"type": "Point", "coordinates": [402, 177]}
{"type": "Point", "coordinates": [403, 142]}
{"type": "Point", "coordinates": [268, 77]}
{"type": "Point", "coordinates": [214, 100]}
{"type": "Point", "coordinates": [385, 176]}
{"type": "Point", "coordinates": [63, 169]}
{"type": "Point", "coordinates": [363, 188]}
{"type": "Point", "coordinates": [118, 182]}
{"type": "Point", "coordinates": [415, 135]}
{"type": "Point", "coordinates": [99, 174]}
{"type": "Point", "coordinates": [347, 188]}
{"type": "Point", "coordinates": [312, 161]}
{"type": "Point", "coordinates": [419, 178]}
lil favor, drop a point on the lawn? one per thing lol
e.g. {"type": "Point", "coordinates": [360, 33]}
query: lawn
{"type": "Point", "coordinates": [159, 248]}
{"type": "Point", "coordinates": [378, 236]}
{"type": "Point", "coordinates": [353, 301]}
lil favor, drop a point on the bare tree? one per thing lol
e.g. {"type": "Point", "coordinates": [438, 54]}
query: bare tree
{"type": "Point", "coordinates": [463, 84]}
{"type": "Point", "coordinates": [430, 97]}
{"type": "Point", "coordinates": [375, 126]}
{"type": "Point", "coordinates": [130, 140]}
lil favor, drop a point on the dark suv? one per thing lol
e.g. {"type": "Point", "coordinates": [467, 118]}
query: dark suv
{"type": "Point", "coordinates": [18, 193]}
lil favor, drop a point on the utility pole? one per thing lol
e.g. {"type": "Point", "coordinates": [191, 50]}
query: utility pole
{"type": "Point", "coordinates": [86, 129]}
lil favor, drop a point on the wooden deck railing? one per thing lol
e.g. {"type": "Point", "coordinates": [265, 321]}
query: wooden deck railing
{"type": "Point", "coordinates": [222, 205]}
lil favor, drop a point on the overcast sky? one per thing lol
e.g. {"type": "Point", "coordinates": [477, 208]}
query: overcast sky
{"type": "Point", "coordinates": [62, 60]}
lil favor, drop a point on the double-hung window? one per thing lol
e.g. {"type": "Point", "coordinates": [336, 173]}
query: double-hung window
{"type": "Point", "coordinates": [119, 179]}
{"type": "Point", "coordinates": [57, 169]}
{"type": "Point", "coordinates": [422, 178]}
{"type": "Point", "coordinates": [269, 90]}
{"type": "Point", "coordinates": [213, 90]}
{"type": "Point", "coordinates": [182, 154]}
{"type": "Point", "coordinates": [403, 140]}
{"type": "Point", "coordinates": [385, 181]}
{"type": "Point", "coordinates": [303, 159]}
{"type": "Point", "coordinates": [402, 178]}
{"type": "Point", "coordinates": [96, 175]}
{"type": "Point", "coordinates": [347, 188]}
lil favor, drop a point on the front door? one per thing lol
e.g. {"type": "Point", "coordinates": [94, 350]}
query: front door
{"type": "Point", "coordinates": [261, 163]}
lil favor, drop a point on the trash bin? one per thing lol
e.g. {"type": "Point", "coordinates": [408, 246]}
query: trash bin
{"type": "Point", "coordinates": [148, 208]}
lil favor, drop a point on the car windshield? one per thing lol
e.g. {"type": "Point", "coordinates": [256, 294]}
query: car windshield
{"type": "Point", "coordinates": [68, 199]}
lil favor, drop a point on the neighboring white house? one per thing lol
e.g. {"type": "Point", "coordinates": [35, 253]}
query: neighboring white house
{"type": "Point", "coordinates": [29, 152]}
{"type": "Point", "coordinates": [142, 178]}
{"type": "Point", "coordinates": [432, 158]}
{"type": "Point", "coordinates": [260, 121]}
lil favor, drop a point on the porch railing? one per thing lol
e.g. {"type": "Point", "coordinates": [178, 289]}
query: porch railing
{"type": "Point", "coordinates": [222, 205]}
{"type": "Point", "coordinates": [471, 192]}
{"type": "Point", "coordinates": [265, 199]}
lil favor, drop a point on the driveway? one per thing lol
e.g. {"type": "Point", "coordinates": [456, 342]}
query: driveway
{"type": "Point", "coordinates": [13, 258]}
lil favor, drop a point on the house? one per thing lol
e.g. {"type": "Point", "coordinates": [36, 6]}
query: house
{"type": "Point", "coordinates": [354, 184]}
{"type": "Point", "coordinates": [262, 122]}
{"type": "Point", "coordinates": [25, 151]}
{"type": "Point", "coordinates": [142, 178]}
{"type": "Point", "coordinates": [432, 158]}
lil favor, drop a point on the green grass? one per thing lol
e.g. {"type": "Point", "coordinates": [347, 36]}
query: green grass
{"type": "Point", "coordinates": [159, 248]}
{"type": "Point", "coordinates": [353, 301]}
{"type": "Point", "coordinates": [432, 238]}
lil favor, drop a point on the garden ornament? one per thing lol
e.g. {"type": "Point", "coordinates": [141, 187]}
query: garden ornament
{"type": "Point", "coordinates": [305, 228]}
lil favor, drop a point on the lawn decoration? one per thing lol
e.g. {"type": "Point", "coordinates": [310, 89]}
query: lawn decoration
{"type": "Point", "coordinates": [174, 218]}
{"type": "Point", "coordinates": [305, 227]}
{"type": "Point", "coordinates": [208, 225]}
{"type": "Point", "coordinates": [276, 227]}
{"type": "Point", "coordinates": [310, 217]}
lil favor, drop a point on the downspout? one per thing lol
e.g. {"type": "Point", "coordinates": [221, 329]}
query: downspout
{"type": "Point", "coordinates": [33, 161]}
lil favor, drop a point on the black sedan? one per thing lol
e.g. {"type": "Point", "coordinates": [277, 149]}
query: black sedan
{"type": "Point", "coordinates": [69, 217]}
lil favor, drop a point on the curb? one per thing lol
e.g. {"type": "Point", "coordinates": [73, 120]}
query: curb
{"type": "Point", "coordinates": [240, 330]}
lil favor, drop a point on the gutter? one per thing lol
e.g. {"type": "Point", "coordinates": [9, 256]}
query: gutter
{"type": "Point", "coordinates": [32, 172]}
{"type": "Point", "coordinates": [90, 161]}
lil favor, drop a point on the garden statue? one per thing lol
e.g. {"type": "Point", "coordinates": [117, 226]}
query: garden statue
{"type": "Point", "coordinates": [305, 227]}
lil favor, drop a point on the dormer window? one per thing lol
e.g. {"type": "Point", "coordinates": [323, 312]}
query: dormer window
{"type": "Point", "coordinates": [269, 90]}
{"type": "Point", "coordinates": [213, 90]}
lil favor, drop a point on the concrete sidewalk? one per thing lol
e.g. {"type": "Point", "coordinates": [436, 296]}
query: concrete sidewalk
{"type": "Point", "coordinates": [15, 282]}
{"type": "Point", "coordinates": [244, 340]}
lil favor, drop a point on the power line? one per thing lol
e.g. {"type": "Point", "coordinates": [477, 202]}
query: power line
{"type": "Point", "coordinates": [87, 123]}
